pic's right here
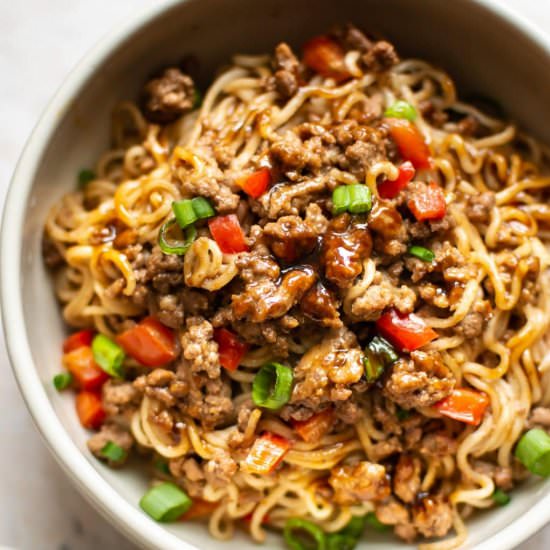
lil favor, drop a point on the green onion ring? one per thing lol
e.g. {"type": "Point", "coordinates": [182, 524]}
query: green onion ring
{"type": "Point", "coordinates": [272, 386]}
{"type": "Point", "coordinates": [178, 248]}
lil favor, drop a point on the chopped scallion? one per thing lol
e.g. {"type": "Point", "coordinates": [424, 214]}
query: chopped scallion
{"type": "Point", "coordinates": [533, 451]}
{"type": "Point", "coordinates": [62, 380]}
{"type": "Point", "coordinates": [375, 523]}
{"type": "Point", "coordinates": [108, 355]}
{"type": "Point", "coordinates": [339, 541]}
{"type": "Point", "coordinates": [500, 497]}
{"type": "Point", "coordinates": [354, 198]}
{"type": "Point", "coordinates": [176, 247]}
{"type": "Point", "coordinates": [202, 207]}
{"type": "Point", "coordinates": [188, 211]}
{"type": "Point", "coordinates": [85, 177]}
{"type": "Point", "coordinates": [355, 526]}
{"type": "Point", "coordinates": [422, 253]}
{"type": "Point", "coordinates": [165, 502]}
{"type": "Point", "coordinates": [301, 534]}
{"type": "Point", "coordinates": [402, 414]}
{"type": "Point", "coordinates": [162, 466]}
{"type": "Point", "coordinates": [184, 212]}
{"type": "Point", "coordinates": [113, 452]}
{"type": "Point", "coordinates": [401, 109]}
{"type": "Point", "coordinates": [272, 386]}
{"type": "Point", "coordinates": [379, 354]}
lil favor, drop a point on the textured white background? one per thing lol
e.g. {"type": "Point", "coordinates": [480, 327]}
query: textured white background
{"type": "Point", "coordinates": [40, 41]}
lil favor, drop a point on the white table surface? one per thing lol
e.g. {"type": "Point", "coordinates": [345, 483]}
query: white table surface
{"type": "Point", "coordinates": [40, 40]}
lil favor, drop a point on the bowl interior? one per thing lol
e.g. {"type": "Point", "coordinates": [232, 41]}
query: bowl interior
{"type": "Point", "coordinates": [482, 51]}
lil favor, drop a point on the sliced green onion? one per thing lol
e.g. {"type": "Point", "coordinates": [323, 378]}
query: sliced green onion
{"type": "Point", "coordinates": [113, 452]}
{"type": "Point", "coordinates": [162, 466]}
{"type": "Point", "coordinates": [85, 177]}
{"type": "Point", "coordinates": [402, 414]}
{"type": "Point", "coordinates": [355, 527]}
{"type": "Point", "coordinates": [340, 200]}
{"type": "Point", "coordinates": [197, 98]}
{"type": "Point", "coordinates": [178, 247]}
{"type": "Point", "coordinates": [108, 355]}
{"type": "Point", "coordinates": [62, 380]}
{"type": "Point", "coordinates": [165, 502]}
{"type": "Point", "coordinates": [272, 386]}
{"type": "Point", "coordinates": [338, 541]}
{"type": "Point", "coordinates": [360, 199]}
{"type": "Point", "coordinates": [533, 451]}
{"type": "Point", "coordinates": [301, 534]}
{"type": "Point", "coordinates": [424, 254]}
{"type": "Point", "coordinates": [379, 355]}
{"type": "Point", "coordinates": [500, 497]}
{"type": "Point", "coordinates": [375, 523]}
{"type": "Point", "coordinates": [202, 207]}
{"type": "Point", "coordinates": [401, 109]}
{"type": "Point", "coordinates": [354, 198]}
{"type": "Point", "coordinates": [184, 212]}
{"type": "Point", "coordinates": [188, 211]}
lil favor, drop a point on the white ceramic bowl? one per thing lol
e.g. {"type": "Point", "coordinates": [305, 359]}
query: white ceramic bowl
{"type": "Point", "coordinates": [484, 47]}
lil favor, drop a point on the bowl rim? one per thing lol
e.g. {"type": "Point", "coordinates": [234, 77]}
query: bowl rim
{"type": "Point", "coordinates": [104, 498]}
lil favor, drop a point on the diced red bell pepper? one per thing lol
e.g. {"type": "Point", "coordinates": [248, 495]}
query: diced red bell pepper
{"type": "Point", "coordinates": [406, 332]}
{"type": "Point", "coordinates": [315, 427]}
{"type": "Point", "coordinates": [227, 232]}
{"type": "Point", "coordinates": [410, 142]}
{"type": "Point", "coordinates": [266, 453]}
{"type": "Point", "coordinates": [326, 57]}
{"type": "Point", "coordinates": [388, 189]}
{"type": "Point", "coordinates": [89, 409]}
{"type": "Point", "coordinates": [427, 202]}
{"type": "Point", "coordinates": [230, 348]}
{"type": "Point", "coordinates": [464, 405]}
{"type": "Point", "coordinates": [87, 374]}
{"type": "Point", "coordinates": [78, 340]}
{"type": "Point", "coordinates": [199, 509]}
{"type": "Point", "coordinates": [150, 343]}
{"type": "Point", "coordinates": [257, 183]}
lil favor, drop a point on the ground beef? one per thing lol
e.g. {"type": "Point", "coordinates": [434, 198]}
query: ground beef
{"type": "Point", "coordinates": [380, 57]}
{"type": "Point", "coordinates": [363, 146]}
{"type": "Point", "coordinates": [120, 399]}
{"type": "Point", "coordinates": [211, 184]}
{"type": "Point", "coordinates": [502, 476]}
{"type": "Point", "coordinates": [290, 238]}
{"type": "Point", "coordinates": [199, 350]}
{"type": "Point", "coordinates": [386, 223]}
{"type": "Point", "coordinates": [291, 198]}
{"type": "Point", "coordinates": [448, 262]}
{"type": "Point", "coordinates": [479, 207]}
{"type": "Point", "coordinates": [113, 433]}
{"type": "Point", "coordinates": [270, 299]}
{"type": "Point", "coordinates": [286, 76]}
{"type": "Point", "coordinates": [352, 38]}
{"type": "Point", "coordinates": [167, 97]}
{"type": "Point", "coordinates": [471, 326]}
{"type": "Point", "coordinates": [406, 478]}
{"type": "Point", "coordinates": [362, 482]}
{"type": "Point", "coordinates": [380, 295]}
{"type": "Point", "coordinates": [162, 385]}
{"type": "Point", "coordinates": [432, 516]}
{"type": "Point", "coordinates": [345, 246]}
{"type": "Point", "coordinates": [391, 512]}
{"type": "Point", "coordinates": [438, 444]}
{"type": "Point", "coordinates": [419, 381]}
{"type": "Point", "coordinates": [326, 372]}
{"type": "Point", "coordinates": [220, 470]}
{"type": "Point", "coordinates": [320, 304]}
{"type": "Point", "coordinates": [190, 474]}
